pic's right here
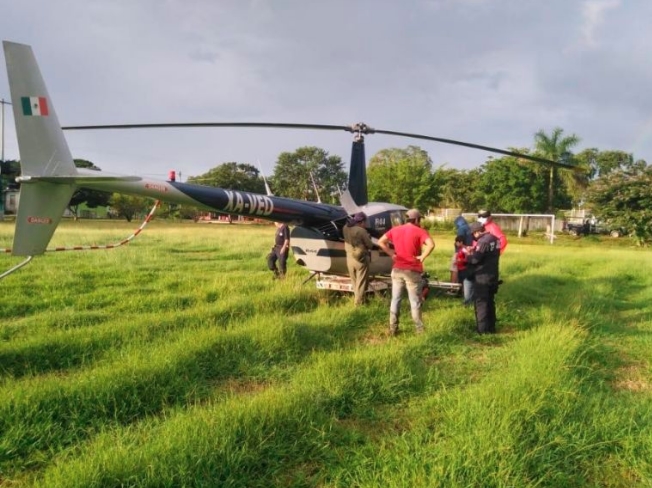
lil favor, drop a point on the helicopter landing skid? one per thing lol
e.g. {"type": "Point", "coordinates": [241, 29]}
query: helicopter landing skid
{"type": "Point", "coordinates": [445, 287]}
{"type": "Point", "coordinates": [344, 284]}
{"type": "Point", "coordinates": [378, 284]}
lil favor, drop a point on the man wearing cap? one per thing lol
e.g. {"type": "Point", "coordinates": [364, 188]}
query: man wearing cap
{"type": "Point", "coordinates": [412, 245]}
{"type": "Point", "coordinates": [485, 218]}
{"type": "Point", "coordinates": [483, 263]}
{"type": "Point", "coordinates": [358, 244]}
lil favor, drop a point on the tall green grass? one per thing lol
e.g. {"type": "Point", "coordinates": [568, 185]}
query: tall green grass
{"type": "Point", "coordinates": [178, 361]}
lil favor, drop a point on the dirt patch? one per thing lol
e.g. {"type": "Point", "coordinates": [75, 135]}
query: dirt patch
{"type": "Point", "coordinates": [632, 378]}
{"type": "Point", "coordinates": [238, 386]}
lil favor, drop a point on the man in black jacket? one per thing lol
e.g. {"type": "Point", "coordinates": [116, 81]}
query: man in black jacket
{"type": "Point", "coordinates": [483, 261]}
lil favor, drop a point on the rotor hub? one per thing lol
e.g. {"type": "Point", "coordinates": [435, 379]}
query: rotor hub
{"type": "Point", "coordinates": [359, 130]}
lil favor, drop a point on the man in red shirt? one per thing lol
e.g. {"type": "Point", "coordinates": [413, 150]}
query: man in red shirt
{"type": "Point", "coordinates": [412, 245]}
{"type": "Point", "coordinates": [485, 218]}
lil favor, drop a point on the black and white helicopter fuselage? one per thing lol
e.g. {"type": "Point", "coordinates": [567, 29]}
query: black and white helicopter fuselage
{"type": "Point", "coordinates": [316, 234]}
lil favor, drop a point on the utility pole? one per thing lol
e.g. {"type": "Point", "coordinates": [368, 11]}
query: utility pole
{"type": "Point", "coordinates": [3, 102]}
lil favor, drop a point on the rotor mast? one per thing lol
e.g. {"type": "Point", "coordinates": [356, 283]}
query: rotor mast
{"type": "Point", "coordinates": [358, 170]}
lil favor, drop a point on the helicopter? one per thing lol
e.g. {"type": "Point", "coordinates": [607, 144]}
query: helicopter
{"type": "Point", "coordinates": [49, 178]}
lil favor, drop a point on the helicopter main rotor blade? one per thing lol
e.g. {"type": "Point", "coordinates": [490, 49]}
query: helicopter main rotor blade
{"type": "Point", "coordinates": [270, 125]}
{"type": "Point", "coordinates": [360, 128]}
{"type": "Point", "coordinates": [536, 159]}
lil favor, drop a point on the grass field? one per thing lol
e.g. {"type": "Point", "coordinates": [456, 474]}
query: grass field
{"type": "Point", "coordinates": [178, 361]}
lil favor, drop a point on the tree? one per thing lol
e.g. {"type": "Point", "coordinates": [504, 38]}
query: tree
{"type": "Point", "coordinates": [509, 185]}
{"type": "Point", "coordinates": [92, 198]}
{"type": "Point", "coordinates": [9, 170]}
{"type": "Point", "coordinates": [458, 188]}
{"type": "Point", "coordinates": [129, 206]}
{"type": "Point", "coordinates": [330, 178]}
{"type": "Point", "coordinates": [178, 211]}
{"type": "Point", "coordinates": [603, 162]}
{"type": "Point", "coordinates": [294, 174]}
{"type": "Point", "coordinates": [624, 199]}
{"type": "Point", "coordinates": [556, 147]}
{"type": "Point", "coordinates": [403, 177]}
{"type": "Point", "coordinates": [232, 176]}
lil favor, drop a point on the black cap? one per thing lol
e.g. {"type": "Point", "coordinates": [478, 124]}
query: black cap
{"type": "Point", "coordinates": [476, 227]}
{"type": "Point", "coordinates": [484, 213]}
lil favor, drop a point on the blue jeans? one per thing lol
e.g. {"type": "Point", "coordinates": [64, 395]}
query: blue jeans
{"type": "Point", "coordinates": [467, 286]}
{"type": "Point", "coordinates": [404, 278]}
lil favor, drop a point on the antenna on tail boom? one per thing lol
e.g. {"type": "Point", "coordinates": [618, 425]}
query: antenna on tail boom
{"type": "Point", "coordinates": [268, 190]}
{"type": "Point", "coordinates": [314, 185]}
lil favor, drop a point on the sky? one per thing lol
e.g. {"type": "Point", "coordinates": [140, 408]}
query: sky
{"type": "Point", "coordinates": [489, 72]}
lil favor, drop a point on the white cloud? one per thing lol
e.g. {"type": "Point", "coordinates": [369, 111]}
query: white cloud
{"type": "Point", "coordinates": [488, 72]}
{"type": "Point", "coordinates": [593, 17]}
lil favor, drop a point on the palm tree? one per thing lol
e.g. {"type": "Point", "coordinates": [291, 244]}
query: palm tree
{"type": "Point", "coordinates": [556, 147]}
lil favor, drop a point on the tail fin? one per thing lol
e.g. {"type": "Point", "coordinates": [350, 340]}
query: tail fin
{"type": "Point", "coordinates": [43, 152]}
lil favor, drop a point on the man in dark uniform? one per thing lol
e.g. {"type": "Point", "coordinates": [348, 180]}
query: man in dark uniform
{"type": "Point", "coordinates": [280, 250]}
{"type": "Point", "coordinates": [358, 244]}
{"type": "Point", "coordinates": [483, 263]}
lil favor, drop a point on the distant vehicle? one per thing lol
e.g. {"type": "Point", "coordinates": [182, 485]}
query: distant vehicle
{"type": "Point", "coordinates": [593, 226]}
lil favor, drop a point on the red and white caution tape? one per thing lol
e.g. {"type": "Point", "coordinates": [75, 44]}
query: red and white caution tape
{"type": "Point", "coordinates": [149, 217]}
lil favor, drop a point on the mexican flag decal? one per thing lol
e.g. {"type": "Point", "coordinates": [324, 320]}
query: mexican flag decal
{"type": "Point", "coordinates": [35, 106]}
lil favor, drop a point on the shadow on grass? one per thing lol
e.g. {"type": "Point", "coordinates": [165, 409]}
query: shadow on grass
{"type": "Point", "coordinates": [185, 377]}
